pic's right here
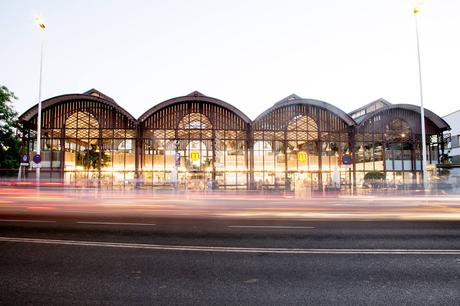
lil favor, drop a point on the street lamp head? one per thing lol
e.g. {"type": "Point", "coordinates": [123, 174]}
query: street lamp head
{"type": "Point", "coordinates": [418, 6]}
{"type": "Point", "coordinates": [40, 22]}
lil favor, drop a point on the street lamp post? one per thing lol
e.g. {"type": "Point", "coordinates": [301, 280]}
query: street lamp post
{"type": "Point", "coordinates": [422, 110]}
{"type": "Point", "coordinates": [41, 24]}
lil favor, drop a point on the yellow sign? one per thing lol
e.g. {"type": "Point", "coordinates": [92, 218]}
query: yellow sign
{"type": "Point", "coordinates": [194, 155]}
{"type": "Point", "coordinates": [302, 156]}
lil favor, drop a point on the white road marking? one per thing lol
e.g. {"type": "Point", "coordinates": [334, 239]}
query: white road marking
{"type": "Point", "coordinates": [34, 221]}
{"type": "Point", "coordinates": [233, 249]}
{"type": "Point", "coordinates": [115, 223]}
{"type": "Point", "coordinates": [269, 226]}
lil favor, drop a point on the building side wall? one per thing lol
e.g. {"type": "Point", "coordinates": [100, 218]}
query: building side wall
{"type": "Point", "coordinates": [454, 121]}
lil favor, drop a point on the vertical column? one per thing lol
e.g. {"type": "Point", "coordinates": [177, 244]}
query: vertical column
{"type": "Point", "coordinates": [351, 144]}
{"type": "Point", "coordinates": [286, 177]}
{"type": "Point", "coordinates": [441, 155]}
{"type": "Point", "coordinates": [213, 147]}
{"type": "Point", "coordinates": [138, 155]}
{"type": "Point", "coordinates": [250, 150]}
{"type": "Point", "coordinates": [413, 158]}
{"type": "Point", "coordinates": [320, 150]}
{"type": "Point", "coordinates": [100, 144]}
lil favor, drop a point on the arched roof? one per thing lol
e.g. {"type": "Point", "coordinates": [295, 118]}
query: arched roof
{"type": "Point", "coordinates": [31, 112]}
{"type": "Point", "coordinates": [294, 99]}
{"type": "Point", "coordinates": [193, 97]}
{"type": "Point", "coordinates": [438, 121]}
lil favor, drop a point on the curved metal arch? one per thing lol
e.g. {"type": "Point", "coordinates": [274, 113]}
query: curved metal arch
{"type": "Point", "coordinates": [194, 97]}
{"type": "Point", "coordinates": [183, 120]}
{"type": "Point", "coordinates": [317, 103]}
{"type": "Point", "coordinates": [435, 119]}
{"type": "Point", "coordinates": [31, 112]}
{"type": "Point", "coordinates": [400, 119]}
{"type": "Point", "coordinates": [390, 129]}
{"type": "Point", "coordinates": [296, 118]}
{"type": "Point", "coordinates": [75, 112]}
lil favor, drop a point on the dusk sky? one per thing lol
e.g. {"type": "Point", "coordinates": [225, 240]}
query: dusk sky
{"type": "Point", "coordinates": [250, 54]}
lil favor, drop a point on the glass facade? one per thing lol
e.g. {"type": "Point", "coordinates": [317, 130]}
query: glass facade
{"type": "Point", "coordinates": [299, 146]}
{"type": "Point", "coordinates": [389, 142]}
{"type": "Point", "coordinates": [86, 141]}
{"type": "Point", "coordinates": [194, 145]}
{"type": "Point", "coordinates": [198, 143]}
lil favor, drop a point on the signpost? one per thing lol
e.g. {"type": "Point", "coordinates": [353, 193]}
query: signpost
{"type": "Point", "coordinates": [24, 163]}
{"type": "Point", "coordinates": [37, 158]}
{"type": "Point", "coordinates": [347, 159]}
{"type": "Point", "coordinates": [178, 159]}
{"type": "Point", "coordinates": [36, 161]}
{"type": "Point", "coordinates": [24, 160]}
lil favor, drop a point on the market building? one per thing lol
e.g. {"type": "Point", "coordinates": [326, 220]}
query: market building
{"type": "Point", "coordinates": [196, 142]}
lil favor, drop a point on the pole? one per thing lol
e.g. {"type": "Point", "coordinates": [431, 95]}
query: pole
{"type": "Point", "coordinates": [422, 110]}
{"type": "Point", "coordinates": [39, 119]}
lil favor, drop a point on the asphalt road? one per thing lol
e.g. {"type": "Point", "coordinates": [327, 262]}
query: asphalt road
{"type": "Point", "coordinates": [84, 260]}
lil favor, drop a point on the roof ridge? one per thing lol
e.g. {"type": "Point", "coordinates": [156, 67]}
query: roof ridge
{"type": "Point", "coordinates": [291, 97]}
{"type": "Point", "coordinates": [196, 93]}
{"type": "Point", "coordinates": [97, 93]}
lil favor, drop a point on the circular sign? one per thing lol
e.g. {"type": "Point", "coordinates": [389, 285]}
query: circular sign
{"type": "Point", "coordinates": [194, 155]}
{"type": "Point", "coordinates": [177, 159]}
{"type": "Point", "coordinates": [24, 158]}
{"type": "Point", "coordinates": [346, 159]}
{"type": "Point", "coordinates": [37, 158]}
{"type": "Point", "coordinates": [302, 156]}
{"type": "Point", "coordinates": [177, 142]}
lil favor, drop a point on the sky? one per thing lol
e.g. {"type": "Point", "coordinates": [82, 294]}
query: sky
{"type": "Point", "coordinates": [250, 54]}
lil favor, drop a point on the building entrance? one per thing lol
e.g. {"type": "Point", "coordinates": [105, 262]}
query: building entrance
{"type": "Point", "coordinates": [196, 180]}
{"type": "Point", "coordinates": [303, 183]}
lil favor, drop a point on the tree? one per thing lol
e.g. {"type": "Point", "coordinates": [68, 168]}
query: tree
{"type": "Point", "coordinates": [374, 179]}
{"type": "Point", "coordinates": [10, 144]}
{"type": "Point", "coordinates": [90, 158]}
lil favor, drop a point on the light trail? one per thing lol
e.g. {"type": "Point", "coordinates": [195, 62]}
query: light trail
{"type": "Point", "coordinates": [271, 226]}
{"type": "Point", "coordinates": [115, 223]}
{"type": "Point", "coordinates": [47, 202]}
{"type": "Point", "coordinates": [31, 221]}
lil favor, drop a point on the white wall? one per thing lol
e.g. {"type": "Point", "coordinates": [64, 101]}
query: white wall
{"type": "Point", "coordinates": [453, 120]}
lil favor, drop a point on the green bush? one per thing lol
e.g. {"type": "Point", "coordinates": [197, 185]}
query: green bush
{"type": "Point", "coordinates": [374, 175]}
{"type": "Point", "coordinates": [374, 179]}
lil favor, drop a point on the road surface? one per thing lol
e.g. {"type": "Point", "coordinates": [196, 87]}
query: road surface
{"type": "Point", "coordinates": [86, 259]}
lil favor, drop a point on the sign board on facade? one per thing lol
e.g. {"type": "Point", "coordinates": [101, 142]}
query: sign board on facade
{"type": "Point", "coordinates": [194, 155]}
{"type": "Point", "coordinates": [302, 156]}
